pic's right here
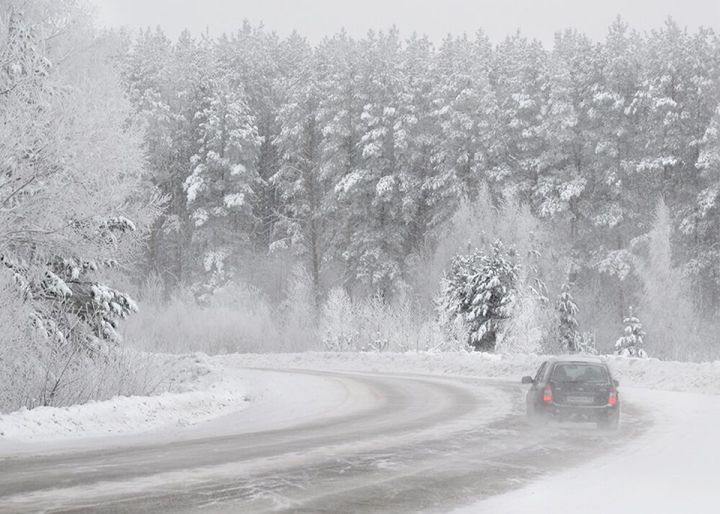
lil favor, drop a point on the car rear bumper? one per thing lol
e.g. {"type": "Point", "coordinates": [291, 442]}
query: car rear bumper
{"type": "Point", "coordinates": [581, 413]}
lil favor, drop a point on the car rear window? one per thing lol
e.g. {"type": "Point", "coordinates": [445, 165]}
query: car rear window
{"type": "Point", "coordinates": [579, 372]}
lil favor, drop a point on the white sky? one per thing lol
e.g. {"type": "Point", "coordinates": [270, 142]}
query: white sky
{"type": "Point", "coordinates": [315, 19]}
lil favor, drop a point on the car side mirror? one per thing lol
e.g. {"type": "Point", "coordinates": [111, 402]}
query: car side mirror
{"type": "Point", "coordinates": [616, 382]}
{"type": "Point", "coordinates": [527, 380]}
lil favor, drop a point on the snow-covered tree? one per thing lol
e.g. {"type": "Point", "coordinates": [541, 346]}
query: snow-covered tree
{"type": "Point", "coordinates": [562, 176]}
{"type": "Point", "coordinates": [479, 289]}
{"type": "Point", "coordinates": [368, 146]}
{"type": "Point", "coordinates": [702, 223]}
{"type": "Point", "coordinates": [167, 85]}
{"type": "Point", "coordinates": [372, 193]}
{"type": "Point", "coordinates": [73, 201]}
{"type": "Point", "coordinates": [303, 223]}
{"type": "Point", "coordinates": [633, 339]}
{"type": "Point", "coordinates": [520, 85]}
{"type": "Point", "coordinates": [525, 331]}
{"type": "Point", "coordinates": [464, 112]}
{"type": "Point", "coordinates": [220, 194]}
{"type": "Point", "coordinates": [337, 328]}
{"type": "Point", "coordinates": [568, 325]}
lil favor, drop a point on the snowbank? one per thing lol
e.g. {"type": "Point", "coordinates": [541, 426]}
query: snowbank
{"type": "Point", "coordinates": [646, 373]}
{"type": "Point", "coordinates": [205, 392]}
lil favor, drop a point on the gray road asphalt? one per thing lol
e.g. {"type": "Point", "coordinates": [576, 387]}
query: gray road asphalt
{"type": "Point", "coordinates": [423, 444]}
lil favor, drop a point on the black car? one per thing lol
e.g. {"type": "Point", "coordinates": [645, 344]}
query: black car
{"type": "Point", "coordinates": [574, 388]}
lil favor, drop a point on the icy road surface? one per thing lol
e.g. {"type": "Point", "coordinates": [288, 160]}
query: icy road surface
{"type": "Point", "coordinates": [319, 442]}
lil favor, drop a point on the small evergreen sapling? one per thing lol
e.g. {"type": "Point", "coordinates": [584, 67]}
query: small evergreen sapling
{"type": "Point", "coordinates": [633, 339]}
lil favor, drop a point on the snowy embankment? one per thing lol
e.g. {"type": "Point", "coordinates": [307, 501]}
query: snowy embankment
{"type": "Point", "coordinates": [204, 391]}
{"type": "Point", "coordinates": [644, 373]}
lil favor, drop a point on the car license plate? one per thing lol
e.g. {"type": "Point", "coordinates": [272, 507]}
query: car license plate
{"type": "Point", "coordinates": [580, 400]}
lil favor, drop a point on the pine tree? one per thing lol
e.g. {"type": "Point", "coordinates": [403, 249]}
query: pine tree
{"type": "Point", "coordinates": [702, 223]}
{"type": "Point", "coordinates": [418, 140]}
{"type": "Point", "coordinates": [568, 326]}
{"type": "Point", "coordinates": [371, 193]}
{"type": "Point", "coordinates": [519, 76]}
{"type": "Point", "coordinates": [167, 87]}
{"type": "Point", "coordinates": [464, 114]}
{"type": "Point", "coordinates": [303, 224]}
{"type": "Point", "coordinates": [220, 190]}
{"type": "Point", "coordinates": [633, 339]}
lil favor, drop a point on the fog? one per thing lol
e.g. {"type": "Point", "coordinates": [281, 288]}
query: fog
{"type": "Point", "coordinates": [316, 19]}
{"type": "Point", "coordinates": [359, 257]}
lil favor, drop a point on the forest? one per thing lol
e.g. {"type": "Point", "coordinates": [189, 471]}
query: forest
{"type": "Point", "coordinates": [255, 193]}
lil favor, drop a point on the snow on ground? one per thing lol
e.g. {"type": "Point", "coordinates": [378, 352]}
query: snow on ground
{"type": "Point", "coordinates": [216, 388]}
{"type": "Point", "coordinates": [647, 373]}
{"type": "Point", "coordinates": [207, 393]}
{"type": "Point", "coordinates": [672, 468]}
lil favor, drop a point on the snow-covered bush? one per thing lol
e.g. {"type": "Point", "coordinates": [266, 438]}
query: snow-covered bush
{"type": "Point", "coordinates": [238, 318]}
{"type": "Point", "coordinates": [480, 290]}
{"type": "Point", "coordinates": [370, 324]}
{"type": "Point", "coordinates": [39, 370]}
{"type": "Point", "coordinates": [633, 339]}
{"type": "Point", "coordinates": [530, 325]}
{"type": "Point", "coordinates": [337, 322]}
{"type": "Point", "coordinates": [19, 365]}
{"type": "Point", "coordinates": [586, 344]}
{"type": "Point", "coordinates": [298, 313]}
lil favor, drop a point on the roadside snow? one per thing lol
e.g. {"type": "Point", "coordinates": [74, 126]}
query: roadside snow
{"type": "Point", "coordinates": [211, 393]}
{"type": "Point", "coordinates": [216, 388]}
{"type": "Point", "coordinates": [647, 373]}
{"type": "Point", "coordinates": [672, 468]}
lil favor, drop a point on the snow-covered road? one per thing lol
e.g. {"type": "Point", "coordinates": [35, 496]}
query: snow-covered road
{"type": "Point", "coordinates": [673, 468]}
{"type": "Point", "coordinates": [319, 442]}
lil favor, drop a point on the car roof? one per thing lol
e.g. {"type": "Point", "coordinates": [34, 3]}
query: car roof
{"type": "Point", "coordinates": [588, 359]}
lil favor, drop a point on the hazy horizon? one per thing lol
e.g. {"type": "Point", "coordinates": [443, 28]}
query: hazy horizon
{"type": "Point", "coordinates": [319, 18]}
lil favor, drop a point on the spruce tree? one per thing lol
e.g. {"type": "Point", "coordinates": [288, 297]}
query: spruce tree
{"type": "Point", "coordinates": [480, 290]}
{"type": "Point", "coordinates": [568, 325]}
{"type": "Point", "coordinates": [633, 338]}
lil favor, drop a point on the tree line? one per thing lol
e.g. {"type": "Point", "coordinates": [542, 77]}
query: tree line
{"type": "Point", "coordinates": [369, 163]}
{"type": "Point", "coordinates": [353, 154]}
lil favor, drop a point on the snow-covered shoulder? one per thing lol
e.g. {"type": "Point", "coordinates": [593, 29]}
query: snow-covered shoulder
{"type": "Point", "coordinates": [634, 372]}
{"type": "Point", "coordinates": [213, 392]}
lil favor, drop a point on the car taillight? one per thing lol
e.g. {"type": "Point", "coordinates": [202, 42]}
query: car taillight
{"type": "Point", "coordinates": [612, 397]}
{"type": "Point", "coordinates": [547, 394]}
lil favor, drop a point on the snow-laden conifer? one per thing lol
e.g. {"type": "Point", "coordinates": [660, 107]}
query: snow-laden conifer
{"type": "Point", "coordinates": [568, 326]}
{"type": "Point", "coordinates": [479, 289]}
{"type": "Point", "coordinates": [633, 339]}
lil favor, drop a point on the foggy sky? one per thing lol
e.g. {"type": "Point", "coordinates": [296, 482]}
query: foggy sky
{"type": "Point", "coordinates": [315, 19]}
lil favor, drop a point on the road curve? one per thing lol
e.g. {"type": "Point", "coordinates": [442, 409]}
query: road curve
{"type": "Point", "coordinates": [415, 443]}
